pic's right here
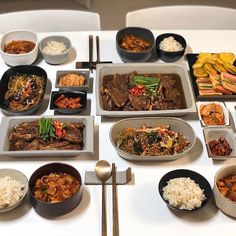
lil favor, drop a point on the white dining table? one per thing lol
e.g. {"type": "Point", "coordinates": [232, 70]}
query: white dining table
{"type": "Point", "coordinates": [141, 209]}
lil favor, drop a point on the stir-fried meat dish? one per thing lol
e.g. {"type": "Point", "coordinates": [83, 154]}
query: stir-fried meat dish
{"type": "Point", "coordinates": [46, 134]}
{"type": "Point", "coordinates": [24, 92]}
{"type": "Point", "coordinates": [56, 187]}
{"type": "Point", "coordinates": [134, 44]}
{"type": "Point", "coordinates": [137, 92]}
{"type": "Point", "coordinates": [227, 186]}
{"type": "Point", "coordinates": [152, 141]}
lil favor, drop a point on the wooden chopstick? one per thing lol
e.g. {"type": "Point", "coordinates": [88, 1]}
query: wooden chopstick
{"type": "Point", "coordinates": [91, 53]}
{"type": "Point", "coordinates": [114, 202]}
{"type": "Point", "coordinates": [98, 49]}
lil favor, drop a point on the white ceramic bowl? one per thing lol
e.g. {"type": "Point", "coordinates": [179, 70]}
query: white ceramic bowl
{"type": "Point", "coordinates": [17, 175]}
{"type": "Point", "coordinates": [19, 59]}
{"type": "Point", "coordinates": [224, 204]}
{"type": "Point", "coordinates": [58, 58]}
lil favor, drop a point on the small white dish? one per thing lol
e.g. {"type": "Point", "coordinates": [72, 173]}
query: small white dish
{"type": "Point", "coordinates": [225, 111]}
{"type": "Point", "coordinates": [19, 59]}
{"type": "Point", "coordinates": [214, 134]}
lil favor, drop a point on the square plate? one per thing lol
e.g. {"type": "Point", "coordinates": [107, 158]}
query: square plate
{"type": "Point", "coordinates": [8, 123]}
{"type": "Point", "coordinates": [106, 69]}
{"type": "Point", "coordinates": [214, 134]}
{"type": "Point", "coordinates": [84, 73]}
{"type": "Point", "coordinates": [191, 59]}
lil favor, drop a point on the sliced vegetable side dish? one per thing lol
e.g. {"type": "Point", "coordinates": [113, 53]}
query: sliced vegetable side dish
{"type": "Point", "coordinates": [24, 92]}
{"type": "Point", "coordinates": [215, 73]}
{"type": "Point", "coordinates": [152, 141]}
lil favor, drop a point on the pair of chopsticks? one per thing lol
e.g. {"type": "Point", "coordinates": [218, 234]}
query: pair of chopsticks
{"type": "Point", "coordinates": [91, 65]}
{"type": "Point", "coordinates": [114, 202]}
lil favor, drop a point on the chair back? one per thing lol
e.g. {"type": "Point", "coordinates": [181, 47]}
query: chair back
{"type": "Point", "coordinates": [183, 17]}
{"type": "Point", "coordinates": [50, 21]}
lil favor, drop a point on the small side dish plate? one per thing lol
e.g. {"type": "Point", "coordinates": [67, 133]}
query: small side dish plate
{"type": "Point", "coordinates": [84, 73]}
{"type": "Point", "coordinates": [176, 124]}
{"type": "Point", "coordinates": [8, 123]}
{"type": "Point", "coordinates": [216, 133]}
{"type": "Point", "coordinates": [75, 95]}
{"type": "Point", "coordinates": [221, 104]}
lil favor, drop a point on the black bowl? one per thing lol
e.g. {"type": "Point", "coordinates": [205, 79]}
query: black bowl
{"type": "Point", "coordinates": [199, 179]}
{"type": "Point", "coordinates": [50, 210]}
{"type": "Point", "coordinates": [23, 69]}
{"type": "Point", "coordinates": [69, 94]}
{"type": "Point", "coordinates": [170, 56]}
{"type": "Point", "coordinates": [128, 56]}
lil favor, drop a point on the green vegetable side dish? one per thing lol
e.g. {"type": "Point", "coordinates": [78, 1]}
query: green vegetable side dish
{"type": "Point", "coordinates": [144, 85]}
{"type": "Point", "coordinates": [46, 129]}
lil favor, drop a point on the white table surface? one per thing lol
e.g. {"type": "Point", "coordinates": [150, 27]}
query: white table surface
{"type": "Point", "coordinates": [141, 209]}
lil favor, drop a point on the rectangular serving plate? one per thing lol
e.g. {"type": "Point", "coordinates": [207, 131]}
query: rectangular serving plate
{"type": "Point", "coordinates": [105, 69]}
{"type": "Point", "coordinates": [8, 123]}
{"type": "Point", "coordinates": [191, 59]}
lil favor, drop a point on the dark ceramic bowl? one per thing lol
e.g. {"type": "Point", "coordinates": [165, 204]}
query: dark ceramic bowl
{"type": "Point", "coordinates": [23, 69]}
{"type": "Point", "coordinates": [199, 179]}
{"type": "Point", "coordinates": [170, 56]}
{"type": "Point", "coordinates": [69, 94]}
{"type": "Point", "coordinates": [128, 56]}
{"type": "Point", "coordinates": [50, 210]}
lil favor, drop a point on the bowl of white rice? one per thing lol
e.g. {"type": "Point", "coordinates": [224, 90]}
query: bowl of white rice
{"type": "Point", "coordinates": [55, 49]}
{"type": "Point", "coordinates": [13, 189]}
{"type": "Point", "coordinates": [184, 190]}
{"type": "Point", "coordinates": [170, 47]}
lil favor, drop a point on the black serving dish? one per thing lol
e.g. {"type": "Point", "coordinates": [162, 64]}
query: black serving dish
{"type": "Point", "coordinates": [199, 179]}
{"type": "Point", "coordinates": [50, 210]}
{"type": "Point", "coordinates": [128, 56]}
{"type": "Point", "coordinates": [69, 94]}
{"type": "Point", "coordinates": [167, 56]}
{"type": "Point", "coordinates": [22, 69]}
{"type": "Point", "coordinates": [191, 59]}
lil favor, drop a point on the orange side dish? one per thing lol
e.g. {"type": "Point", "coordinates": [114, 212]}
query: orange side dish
{"type": "Point", "coordinates": [19, 47]}
{"type": "Point", "coordinates": [212, 114]}
{"type": "Point", "coordinates": [134, 44]}
{"type": "Point", "coordinates": [64, 102]}
{"type": "Point", "coordinates": [56, 187]}
{"type": "Point", "coordinates": [227, 186]}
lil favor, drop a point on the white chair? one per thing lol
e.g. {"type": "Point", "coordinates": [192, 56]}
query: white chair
{"type": "Point", "coordinates": [50, 20]}
{"type": "Point", "coordinates": [183, 17]}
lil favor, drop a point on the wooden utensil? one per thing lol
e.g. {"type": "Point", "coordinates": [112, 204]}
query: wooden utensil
{"type": "Point", "coordinates": [103, 172]}
{"type": "Point", "coordinates": [114, 202]}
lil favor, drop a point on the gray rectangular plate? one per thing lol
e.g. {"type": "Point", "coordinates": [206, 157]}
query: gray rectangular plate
{"type": "Point", "coordinates": [8, 123]}
{"type": "Point", "coordinates": [105, 69]}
